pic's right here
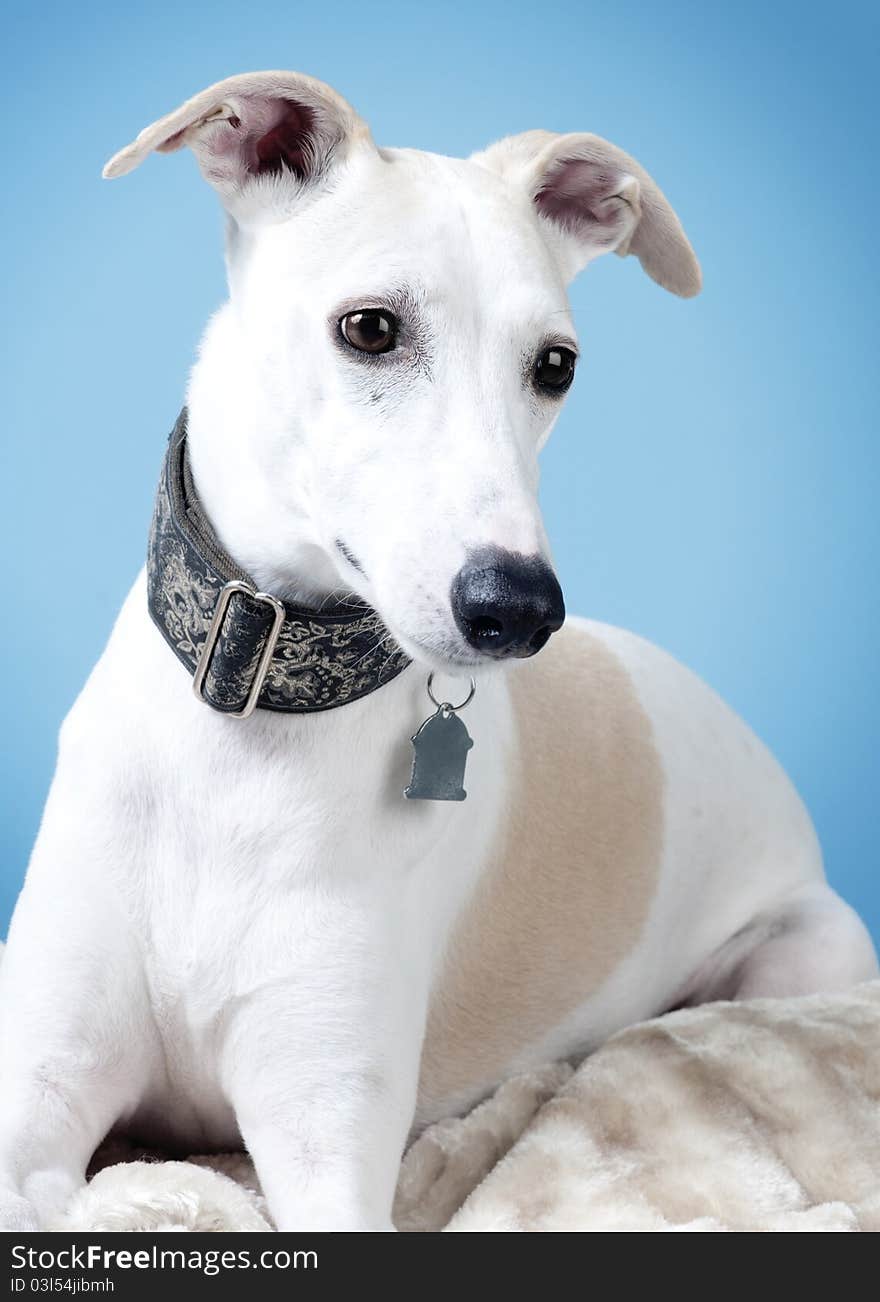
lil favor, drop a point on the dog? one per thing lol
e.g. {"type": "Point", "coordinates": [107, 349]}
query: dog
{"type": "Point", "coordinates": [260, 909]}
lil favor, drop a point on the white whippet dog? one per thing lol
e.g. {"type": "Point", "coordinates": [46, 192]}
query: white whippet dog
{"type": "Point", "coordinates": [238, 929]}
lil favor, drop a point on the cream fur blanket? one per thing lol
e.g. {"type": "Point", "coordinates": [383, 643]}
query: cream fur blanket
{"type": "Point", "coordinates": [752, 1116]}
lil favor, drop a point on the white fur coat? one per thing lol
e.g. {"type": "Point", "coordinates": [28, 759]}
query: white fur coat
{"type": "Point", "coordinates": [749, 1116]}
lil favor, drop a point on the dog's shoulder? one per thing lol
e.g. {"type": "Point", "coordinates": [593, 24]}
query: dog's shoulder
{"type": "Point", "coordinates": [572, 875]}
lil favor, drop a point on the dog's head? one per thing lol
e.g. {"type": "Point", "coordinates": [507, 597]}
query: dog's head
{"type": "Point", "coordinates": [406, 318]}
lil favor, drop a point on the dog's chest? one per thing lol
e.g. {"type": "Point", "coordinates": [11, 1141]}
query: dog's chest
{"type": "Point", "coordinates": [279, 849]}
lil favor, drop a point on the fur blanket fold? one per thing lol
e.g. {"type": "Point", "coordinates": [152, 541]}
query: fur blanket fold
{"type": "Point", "coordinates": [728, 1117]}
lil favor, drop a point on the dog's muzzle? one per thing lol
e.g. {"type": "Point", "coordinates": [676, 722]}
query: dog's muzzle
{"type": "Point", "coordinates": [506, 604]}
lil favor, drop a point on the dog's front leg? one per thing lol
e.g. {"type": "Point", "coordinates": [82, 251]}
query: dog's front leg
{"type": "Point", "coordinates": [77, 1039]}
{"type": "Point", "coordinates": [323, 1084]}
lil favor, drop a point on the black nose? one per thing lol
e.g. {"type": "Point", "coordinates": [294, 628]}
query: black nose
{"type": "Point", "coordinates": [506, 604]}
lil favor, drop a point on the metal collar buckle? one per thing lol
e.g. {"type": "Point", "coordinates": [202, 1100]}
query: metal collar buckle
{"type": "Point", "coordinates": [204, 663]}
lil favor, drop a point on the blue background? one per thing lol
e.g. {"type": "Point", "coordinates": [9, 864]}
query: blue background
{"type": "Point", "coordinates": [713, 482]}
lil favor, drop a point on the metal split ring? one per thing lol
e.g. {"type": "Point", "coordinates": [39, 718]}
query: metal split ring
{"type": "Point", "coordinates": [447, 705]}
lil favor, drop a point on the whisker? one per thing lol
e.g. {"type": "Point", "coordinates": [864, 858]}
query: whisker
{"type": "Point", "coordinates": [372, 650]}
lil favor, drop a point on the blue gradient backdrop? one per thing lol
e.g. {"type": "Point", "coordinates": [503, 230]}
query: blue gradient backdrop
{"type": "Point", "coordinates": [713, 482]}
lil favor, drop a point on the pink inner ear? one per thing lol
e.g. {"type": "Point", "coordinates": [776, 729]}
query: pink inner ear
{"type": "Point", "coordinates": [288, 143]}
{"type": "Point", "coordinates": [578, 194]}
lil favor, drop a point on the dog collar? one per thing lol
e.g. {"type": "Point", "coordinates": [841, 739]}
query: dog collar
{"type": "Point", "coordinates": [244, 648]}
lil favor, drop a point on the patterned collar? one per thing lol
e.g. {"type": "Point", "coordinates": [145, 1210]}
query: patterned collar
{"type": "Point", "coordinates": [245, 648]}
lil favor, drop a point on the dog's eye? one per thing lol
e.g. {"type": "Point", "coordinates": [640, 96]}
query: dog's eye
{"type": "Point", "coordinates": [369, 331]}
{"type": "Point", "coordinates": [555, 368]}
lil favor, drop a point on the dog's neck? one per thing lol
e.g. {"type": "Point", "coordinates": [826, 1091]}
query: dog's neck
{"type": "Point", "coordinates": [230, 415]}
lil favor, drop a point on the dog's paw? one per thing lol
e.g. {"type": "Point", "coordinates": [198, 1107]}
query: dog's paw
{"type": "Point", "coordinates": [152, 1197]}
{"type": "Point", "coordinates": [17, 1215]}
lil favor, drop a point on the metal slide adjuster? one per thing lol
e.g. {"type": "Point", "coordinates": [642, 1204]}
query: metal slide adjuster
{"type": "Point", "coordinates": [204, 663]}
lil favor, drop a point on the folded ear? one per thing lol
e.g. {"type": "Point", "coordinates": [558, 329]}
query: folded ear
{"type": "Point", "coordinates": [593, 198]}
{"type": "Point", "coordinates": [259, 138]}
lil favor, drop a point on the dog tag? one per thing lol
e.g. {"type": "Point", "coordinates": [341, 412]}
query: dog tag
{"type": "Point", "coordinates": [441, 746]}
{"type": "Point", "coordinates": [440, 749]}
